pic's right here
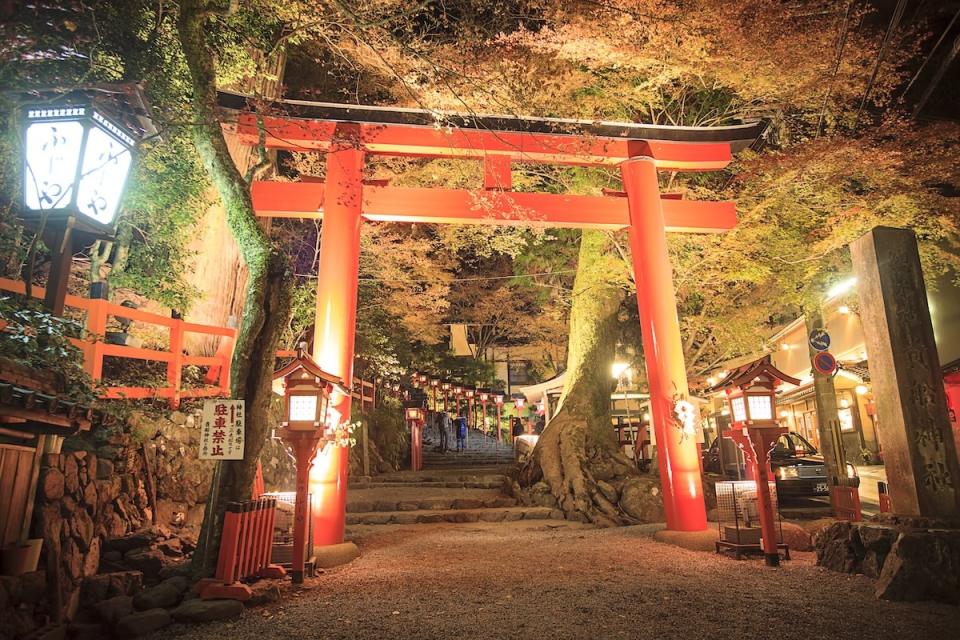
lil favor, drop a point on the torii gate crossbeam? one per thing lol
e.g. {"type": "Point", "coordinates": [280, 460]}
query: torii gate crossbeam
{"type": "Point", "coordinates": [348, 133]}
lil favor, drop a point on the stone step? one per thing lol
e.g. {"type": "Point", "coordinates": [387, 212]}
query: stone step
{"type": "Point", "coordinates": [454, 484]}
{"type": "Point", "coordinates": [360, 505]}
{"type": "Point", "coordinates": [426, 516]}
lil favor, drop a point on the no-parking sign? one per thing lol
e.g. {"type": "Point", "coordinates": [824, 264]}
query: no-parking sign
{"type": "Point", "coordinates": [824, 363]}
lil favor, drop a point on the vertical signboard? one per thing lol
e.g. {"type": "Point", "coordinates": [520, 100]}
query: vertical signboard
{"type": "Point", "coordinates": [221, 431]}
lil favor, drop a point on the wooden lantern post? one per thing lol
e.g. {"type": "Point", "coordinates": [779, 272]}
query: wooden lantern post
{"type": "Point", "coordinates": [751, 395]}
{"type": "Point", "coordinates": [307, 391]}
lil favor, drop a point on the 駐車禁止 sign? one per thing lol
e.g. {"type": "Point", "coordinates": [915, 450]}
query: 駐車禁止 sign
{"type": "Point", "coordinates": [221, 431]}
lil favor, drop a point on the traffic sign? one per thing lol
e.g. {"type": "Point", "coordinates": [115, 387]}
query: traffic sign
{"type": "Point", "coordinates": [824, 363]}
{"type": "Point", "coordinates": [819, 339]}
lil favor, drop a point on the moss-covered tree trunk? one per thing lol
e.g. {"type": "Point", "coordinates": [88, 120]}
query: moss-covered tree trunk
{"type": "Point", "coordinates": [577, 453]}
{"type": "Point", "coordinates": [267, 302]}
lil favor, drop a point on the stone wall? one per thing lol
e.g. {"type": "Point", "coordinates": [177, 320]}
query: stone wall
{"type": "Point", "coordinates": [910, 559]}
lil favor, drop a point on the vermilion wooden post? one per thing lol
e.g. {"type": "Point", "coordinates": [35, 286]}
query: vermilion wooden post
{"type": "Point", "coordinates": [662, 348]}
{"type": "Point", "coordinates": [96, 330]}
{"type": "Point", "coordinates": [304, 449]}
{"type": "Point", "coordinates": [336, 318]}
{"type": "Point", "coordinates": [175, 365]}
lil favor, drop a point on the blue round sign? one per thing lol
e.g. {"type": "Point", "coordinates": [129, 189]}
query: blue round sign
{"type": "Point", "coordinates": [820, 339]}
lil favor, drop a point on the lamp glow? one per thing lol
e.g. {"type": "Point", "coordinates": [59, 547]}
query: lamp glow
{"type": "Point", "coordinates": [76, 162]}
{"type": "Point", "coordinates": [842, 287]}
{"type": "Point", "coordinates": [618, 368]}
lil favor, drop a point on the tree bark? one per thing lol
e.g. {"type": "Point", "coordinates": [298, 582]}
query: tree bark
{"type": "Point", "coordinates": [578, 447]}
{"type": "Point", "coordinates": [268, 295]}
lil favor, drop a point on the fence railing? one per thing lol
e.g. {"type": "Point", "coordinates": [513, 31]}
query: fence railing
{"type": "Point", "coordinates": [216, 381]}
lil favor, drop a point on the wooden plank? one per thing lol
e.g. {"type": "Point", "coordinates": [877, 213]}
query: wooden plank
{"type": "Point", "coordinates": [8, 473]}
{"type": "Point", "coordinates": [136, 353]}
{"type": "Point", "coordinates": [34, 483]}
{"type": "Point", "coordinates": [18, 498]}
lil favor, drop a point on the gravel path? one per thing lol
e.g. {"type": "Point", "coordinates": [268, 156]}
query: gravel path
{"type": "Point", "coordinates": [558, 580]}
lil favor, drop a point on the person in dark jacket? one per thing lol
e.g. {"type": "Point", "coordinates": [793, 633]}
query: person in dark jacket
{"type": "Point", "coordinates": [460, 425]}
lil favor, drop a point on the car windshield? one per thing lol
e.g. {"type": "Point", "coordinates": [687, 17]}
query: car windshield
{"type": "Point", "coordinates": [793, 444]}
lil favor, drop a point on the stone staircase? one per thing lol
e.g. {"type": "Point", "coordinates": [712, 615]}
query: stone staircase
{"type": "Point", "coordinates": [470, 486]}
{"type": "Point", "coordinates": [481, 450]}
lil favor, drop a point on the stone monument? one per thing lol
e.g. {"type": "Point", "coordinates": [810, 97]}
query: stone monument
{"type": "Point", "coordinates": [918, 446]}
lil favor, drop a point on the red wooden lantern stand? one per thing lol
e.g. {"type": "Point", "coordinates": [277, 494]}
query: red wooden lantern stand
{"type": "Point", "coordinates": [415, 421]}
{"type": "Point", "coordinates": [308, 392]}
{"type": "Point", "coordinates": [751, 394]}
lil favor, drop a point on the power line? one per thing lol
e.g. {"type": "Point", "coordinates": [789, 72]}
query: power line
{"type": "Point", "coordinates": [894, 23]}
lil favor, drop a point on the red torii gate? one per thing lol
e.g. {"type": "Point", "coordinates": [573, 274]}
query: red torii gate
{"type": "Point", "coordinates": [348, 133]}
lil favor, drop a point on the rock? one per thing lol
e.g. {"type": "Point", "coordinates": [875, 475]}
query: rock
{"type": "Point", "coordinates": [72, 559]}
{"type": "Point", "coordinates": [179, 568]}
{"type": "Point", "coordinates": [178, 417]}
{"type": "Point", "coordinates": [261, 597]}
{"type": "Point", "coordinates": [107, 585]}
{"type": "Point", "coordinates": [147, 561]}
{"type": "Point", "coordinates": [144, 622]}
{"type": "Point", "coordinates": [70, 474]}
{"type": "Point", "coordinates": [603, 471]}
{"type": "Point", "coordinates": [180, 583]}
{"type": "Point", "coordinates": [53, 460]}
{"type": "Point", "coordinates": [85, 631]}
{"type": "Point", "coordinates": [53, 484]}
{"type": "Point", "coordinates": [91, 562]}
{"type": "Point", "coordinates": [105, 469]}
{"type": "Point", "coordinates": [334, 555]}
{"type": "Point", "coordinates": [384, 505]}
{"type": "Point", "coordinates": [878, 538]}
{"type": "Point", "coordinates": [91, 466]}
{"type": "Point", "coordinates": [839, 548]}
{"type": "Point", "coordinates": [171, 547]}
{"type": "Point", "coordinates": [608, 491]}
{"type": "Point", "coordinates": [359, 507]}
{"type": "Point", "coordinates": [640, 499]}
{"type": "Point", "coordinates": [162, 595]}
{"type": "Point", "coordinates": [922, 565]}
{"type": "Point", "coordinates": [467, 503]}
{"type": "Point", "coordinates": [81, 526]}
{"type": "Point", "coordinates": [198, 610]}
{"type": "Point", "coordinates": [67, 506]}
{"type": "Point", "coordinates": [33, 587]}
{"type": "Point", "coordinates": [407, 506]}
{"type": "Point", "coordinates": [112, 609]}
{"type": "Point", "coordinates": [796, 537]}
{"type": "Point", "coordinates": [127, 543]}
{"type": "Point", "coordinates": [90, 495]}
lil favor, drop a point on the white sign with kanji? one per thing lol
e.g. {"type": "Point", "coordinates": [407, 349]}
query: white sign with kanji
{"type": "Point", "coordinates": [221, 432]}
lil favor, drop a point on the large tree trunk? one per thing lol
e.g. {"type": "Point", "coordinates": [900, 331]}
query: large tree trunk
{"type": "Point", "coordinates": [268, 296]}
{"type": "Point", "coordinates": [577, 449]}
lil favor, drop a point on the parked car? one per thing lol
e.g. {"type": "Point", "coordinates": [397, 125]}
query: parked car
{"type": "Point", "coordinates": [798, 467]}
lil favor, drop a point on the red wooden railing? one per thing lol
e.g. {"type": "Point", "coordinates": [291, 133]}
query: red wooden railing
{"type": "Point", "coordinates": [846, 503]}
{"type": "Point", "coordinates": [97, 312]}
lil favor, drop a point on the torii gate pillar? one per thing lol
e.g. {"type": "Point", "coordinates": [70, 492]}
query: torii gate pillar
{"type": "Point", "coordinates": [678, 457]}
{"type": "Point", "coordinates": [333, 338]}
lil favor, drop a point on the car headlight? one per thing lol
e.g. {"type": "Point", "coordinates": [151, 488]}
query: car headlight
{"type": "Point", "coordinates": [788, 472]}
{"type": "Point", "coordinates": [851, 471]}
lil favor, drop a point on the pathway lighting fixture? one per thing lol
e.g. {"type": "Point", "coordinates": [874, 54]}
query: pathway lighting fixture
{"type": "Point", "coordinates": [78, 152]}
{"type": "Point", "coordinates": [751, 396]}
{"type": "Point", "coordinates": [308, 394]}
{"type": "Point", "coordinates": [619, 368]}
{"type": "Point", "coordinates": [861, 389]}
{"type": "Point", "coordinates": [841, 288]}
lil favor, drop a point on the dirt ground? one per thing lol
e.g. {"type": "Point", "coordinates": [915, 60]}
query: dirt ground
{"type": "Point", "coordinates": [555, 580]}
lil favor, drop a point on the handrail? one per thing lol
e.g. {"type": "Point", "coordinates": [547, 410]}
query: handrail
{"type": "Point", "coordinates": [217, 379]}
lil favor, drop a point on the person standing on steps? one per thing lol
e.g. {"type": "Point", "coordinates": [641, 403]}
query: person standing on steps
{"type": "Point", "coordinates": [440, 421]}
{"type": "Point", "coordinates": [460, 424]}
